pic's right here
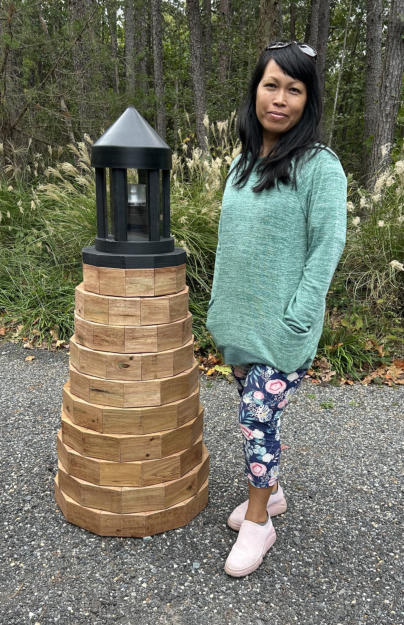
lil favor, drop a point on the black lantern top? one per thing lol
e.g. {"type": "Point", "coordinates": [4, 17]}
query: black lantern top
{"type": "Point", "coordinates": [133, 218]}
{"type": "Point", "coordinates": [131, 143]}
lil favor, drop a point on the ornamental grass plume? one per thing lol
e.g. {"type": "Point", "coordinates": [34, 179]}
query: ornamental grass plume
{"type": "Point", "coordinates": [369, 264]}
{"type": "Point", "coordinates": [395, 264]}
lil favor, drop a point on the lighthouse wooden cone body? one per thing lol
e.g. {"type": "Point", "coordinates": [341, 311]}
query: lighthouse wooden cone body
{"type": "Point", "coordinates": [132, 461]}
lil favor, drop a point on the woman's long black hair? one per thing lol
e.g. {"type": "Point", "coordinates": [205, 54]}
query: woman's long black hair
{"type": "Point", "coordinates": [276, 166]}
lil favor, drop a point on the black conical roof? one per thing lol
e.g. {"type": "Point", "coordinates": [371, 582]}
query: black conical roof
{"type": "Point", "coordinates": [131, 143]}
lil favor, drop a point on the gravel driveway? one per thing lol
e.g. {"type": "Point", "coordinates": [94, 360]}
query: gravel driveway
{"type": "Point", "coordinates": [337, 555]}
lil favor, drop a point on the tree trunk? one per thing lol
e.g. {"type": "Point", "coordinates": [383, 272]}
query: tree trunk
{"type": "Point", "coordinates": [158, 66]}
{"type": "Point", "coordinates": [292, 22]}
{"type": "Point", "coordinates": [311, 36]}
{"type": "Point", "coordinates": [322, 39]}
{"type": "Point", "coordinates": [223, 61]}
{"type": "Point", "coordinates": [111, 11]}
{"type": "Point", "coordinates": [6, 130]}
{"type": "Point", "coordinates": [270, 23]}
{"type": "Point", "coordinates": [197, 70]}
{"type": "Point", "coordinates": [142, 29]}
{"type": "Point", "coordinates": [68, 121]}
{"type": "Point", "coordinates": [176, 114]}
{"type": "Point", "coordinates": [340, 72]}
{"type": "Point", "coordinates": [63, 106]}
{"type": "Point", "coordinates": [389, 93]}
{"type": "Point", "coordinates": [347, 106]}
{"type": "Point", "coordinates": [129, 18]}
{"type": "Point", "coordinates": [81, 57]}
{"type": "Point", "coordinates": [374, 29]}
{"type": "Point", "coordinates": [207, 34]}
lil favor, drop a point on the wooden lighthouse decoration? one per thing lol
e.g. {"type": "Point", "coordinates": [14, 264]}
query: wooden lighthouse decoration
{"type": "Point", "coordinates": [131, 457]}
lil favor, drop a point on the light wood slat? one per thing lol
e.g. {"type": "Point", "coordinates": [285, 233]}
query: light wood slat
{"type": "Point", "coordinates": [106, 337]}
{"type": "Point", "coordinates": [126, 499]}
{"type": "Point", "coordinates": [91, 306]}
{"type": "Point", "coordinates": [134, 393]}
{"type": "Point", "coordinates": [133, 339]}
{"type": "Point", "coordinates": [135, 473]}
{"type": "Point", "coordinates": [181, 277]}
{"type": "Point", "coordinates": [122, 311]}
{"type": "Point", "coordinates": [80, 412]}
{"type": "Point", "coordinates": [144, 420]}
{"type": "Point", "coordinates": [91, 279]}
{"type": "Point", "coordinates": [146, 366]}
{"type": "Point", "coordinates": [112, 281]}
{"type": "Point", "coordinates": [135, 524]}
{"type": "Point", "coordinates": [139, 282]}
{"type": "Point", "coordinates": [126, 448]}
{"type": "Point", "coordinates": [134, 282]}
{"type": "Point", "coordinates": [165, 280]}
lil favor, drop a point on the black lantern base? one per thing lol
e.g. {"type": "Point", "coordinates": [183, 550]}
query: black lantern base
{"type": "Point", "coordinates": [141, 245]}
{"type": "Point", "coordinates": [92, 256]}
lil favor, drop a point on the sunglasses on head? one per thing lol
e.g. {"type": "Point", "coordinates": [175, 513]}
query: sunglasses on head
{"type": "Point", "coordinates": [304, 47]}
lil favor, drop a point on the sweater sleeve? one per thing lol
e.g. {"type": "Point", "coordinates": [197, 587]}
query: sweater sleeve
{"type": "Point", "coordinates": [326, 232]}
{"type": "Point", "coordinates": [217, 260]}
{"type": "Point", "coordinates": [218, 248]}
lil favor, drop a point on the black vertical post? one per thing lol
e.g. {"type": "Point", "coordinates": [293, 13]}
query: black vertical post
{"type": "Point", "coordinates": [110, 221]}
{"type": "Point", "coordinates": [119, 197]}
{"type": "Point", "coordinates": [100, 194]}
{"type": "Point", "coordinates": [153, 196]}
{"type": "Point", "coordinates": [166, 203]}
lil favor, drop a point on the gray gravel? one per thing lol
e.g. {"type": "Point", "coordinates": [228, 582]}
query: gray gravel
{"type": "Point", "coordinates": [336, 560]}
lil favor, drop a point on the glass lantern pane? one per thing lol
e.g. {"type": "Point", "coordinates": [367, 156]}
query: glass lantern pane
{"type": "Point", "coordinates": [137, 211]}
{"type": "Point", "coordinates": [110, 221]}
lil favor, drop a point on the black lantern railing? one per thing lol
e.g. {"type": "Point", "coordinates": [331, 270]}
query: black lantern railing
{"type": "Point", "coordinates": [133, 218]}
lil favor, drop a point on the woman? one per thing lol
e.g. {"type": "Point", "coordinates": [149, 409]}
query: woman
{"type": "Point", "coordinates": [281, 234]}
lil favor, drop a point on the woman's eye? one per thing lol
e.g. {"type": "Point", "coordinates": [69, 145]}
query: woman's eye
{"type": "Point", "coordinates": [271, 85]}
{"type": "Point", "coordinates": [295, 90]}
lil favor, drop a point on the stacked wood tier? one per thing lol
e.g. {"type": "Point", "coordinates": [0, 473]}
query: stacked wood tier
{"type": "Point", "coordinates": [132, 461]}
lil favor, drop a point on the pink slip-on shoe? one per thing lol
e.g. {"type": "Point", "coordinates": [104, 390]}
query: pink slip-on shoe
{"type": "Point", "coordinates": [276, 505]}
{"type": "Point", "coordinates": [247, 553]}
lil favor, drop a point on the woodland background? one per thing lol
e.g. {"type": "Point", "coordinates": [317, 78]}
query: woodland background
{"type": "Point", "coordinates": [68, 69]}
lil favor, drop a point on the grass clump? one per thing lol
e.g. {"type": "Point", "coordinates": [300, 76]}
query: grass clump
{"type": "Point", "coordinates": [42, 232]}
{"type": "Point", "coordinates": [363, 325]}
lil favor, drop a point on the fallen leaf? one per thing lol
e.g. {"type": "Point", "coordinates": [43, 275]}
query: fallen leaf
{"type": "Point", "coordinates": [224, 369]}
{"type": "Point", "coordinates": [2, 331]}
{"type": "Point", "coordinates": [29, 358]}
{"type": "Point", "coordinates": [326, 377]}
{"type": "Point", "coordinates": [213, 360]}
{"type": "Point", "coordinates": [380, 349]}
{"type": "Point", "coordinates": [389, 375]}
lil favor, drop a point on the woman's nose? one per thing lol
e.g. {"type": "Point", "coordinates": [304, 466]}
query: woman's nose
{"type": "Point", "coordinates": [280, 97]}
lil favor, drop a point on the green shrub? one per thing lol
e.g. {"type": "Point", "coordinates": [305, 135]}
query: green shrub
{"type": "Point", "coordinates": [372, 265]}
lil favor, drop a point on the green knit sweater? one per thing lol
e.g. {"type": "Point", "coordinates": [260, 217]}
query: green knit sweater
{"type": "Point", "coordinates": [276, 255]}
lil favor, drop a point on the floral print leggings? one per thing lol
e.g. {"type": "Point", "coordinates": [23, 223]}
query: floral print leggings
{"type": "Point", "coordinates": [264, 393]}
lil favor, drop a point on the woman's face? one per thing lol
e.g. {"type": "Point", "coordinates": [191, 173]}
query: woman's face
{"type": "Point", "coordinates": [279, 103]}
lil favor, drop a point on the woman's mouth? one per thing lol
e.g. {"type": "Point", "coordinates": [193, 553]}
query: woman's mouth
{"type": "Point", "coordinates": [275, 115]}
